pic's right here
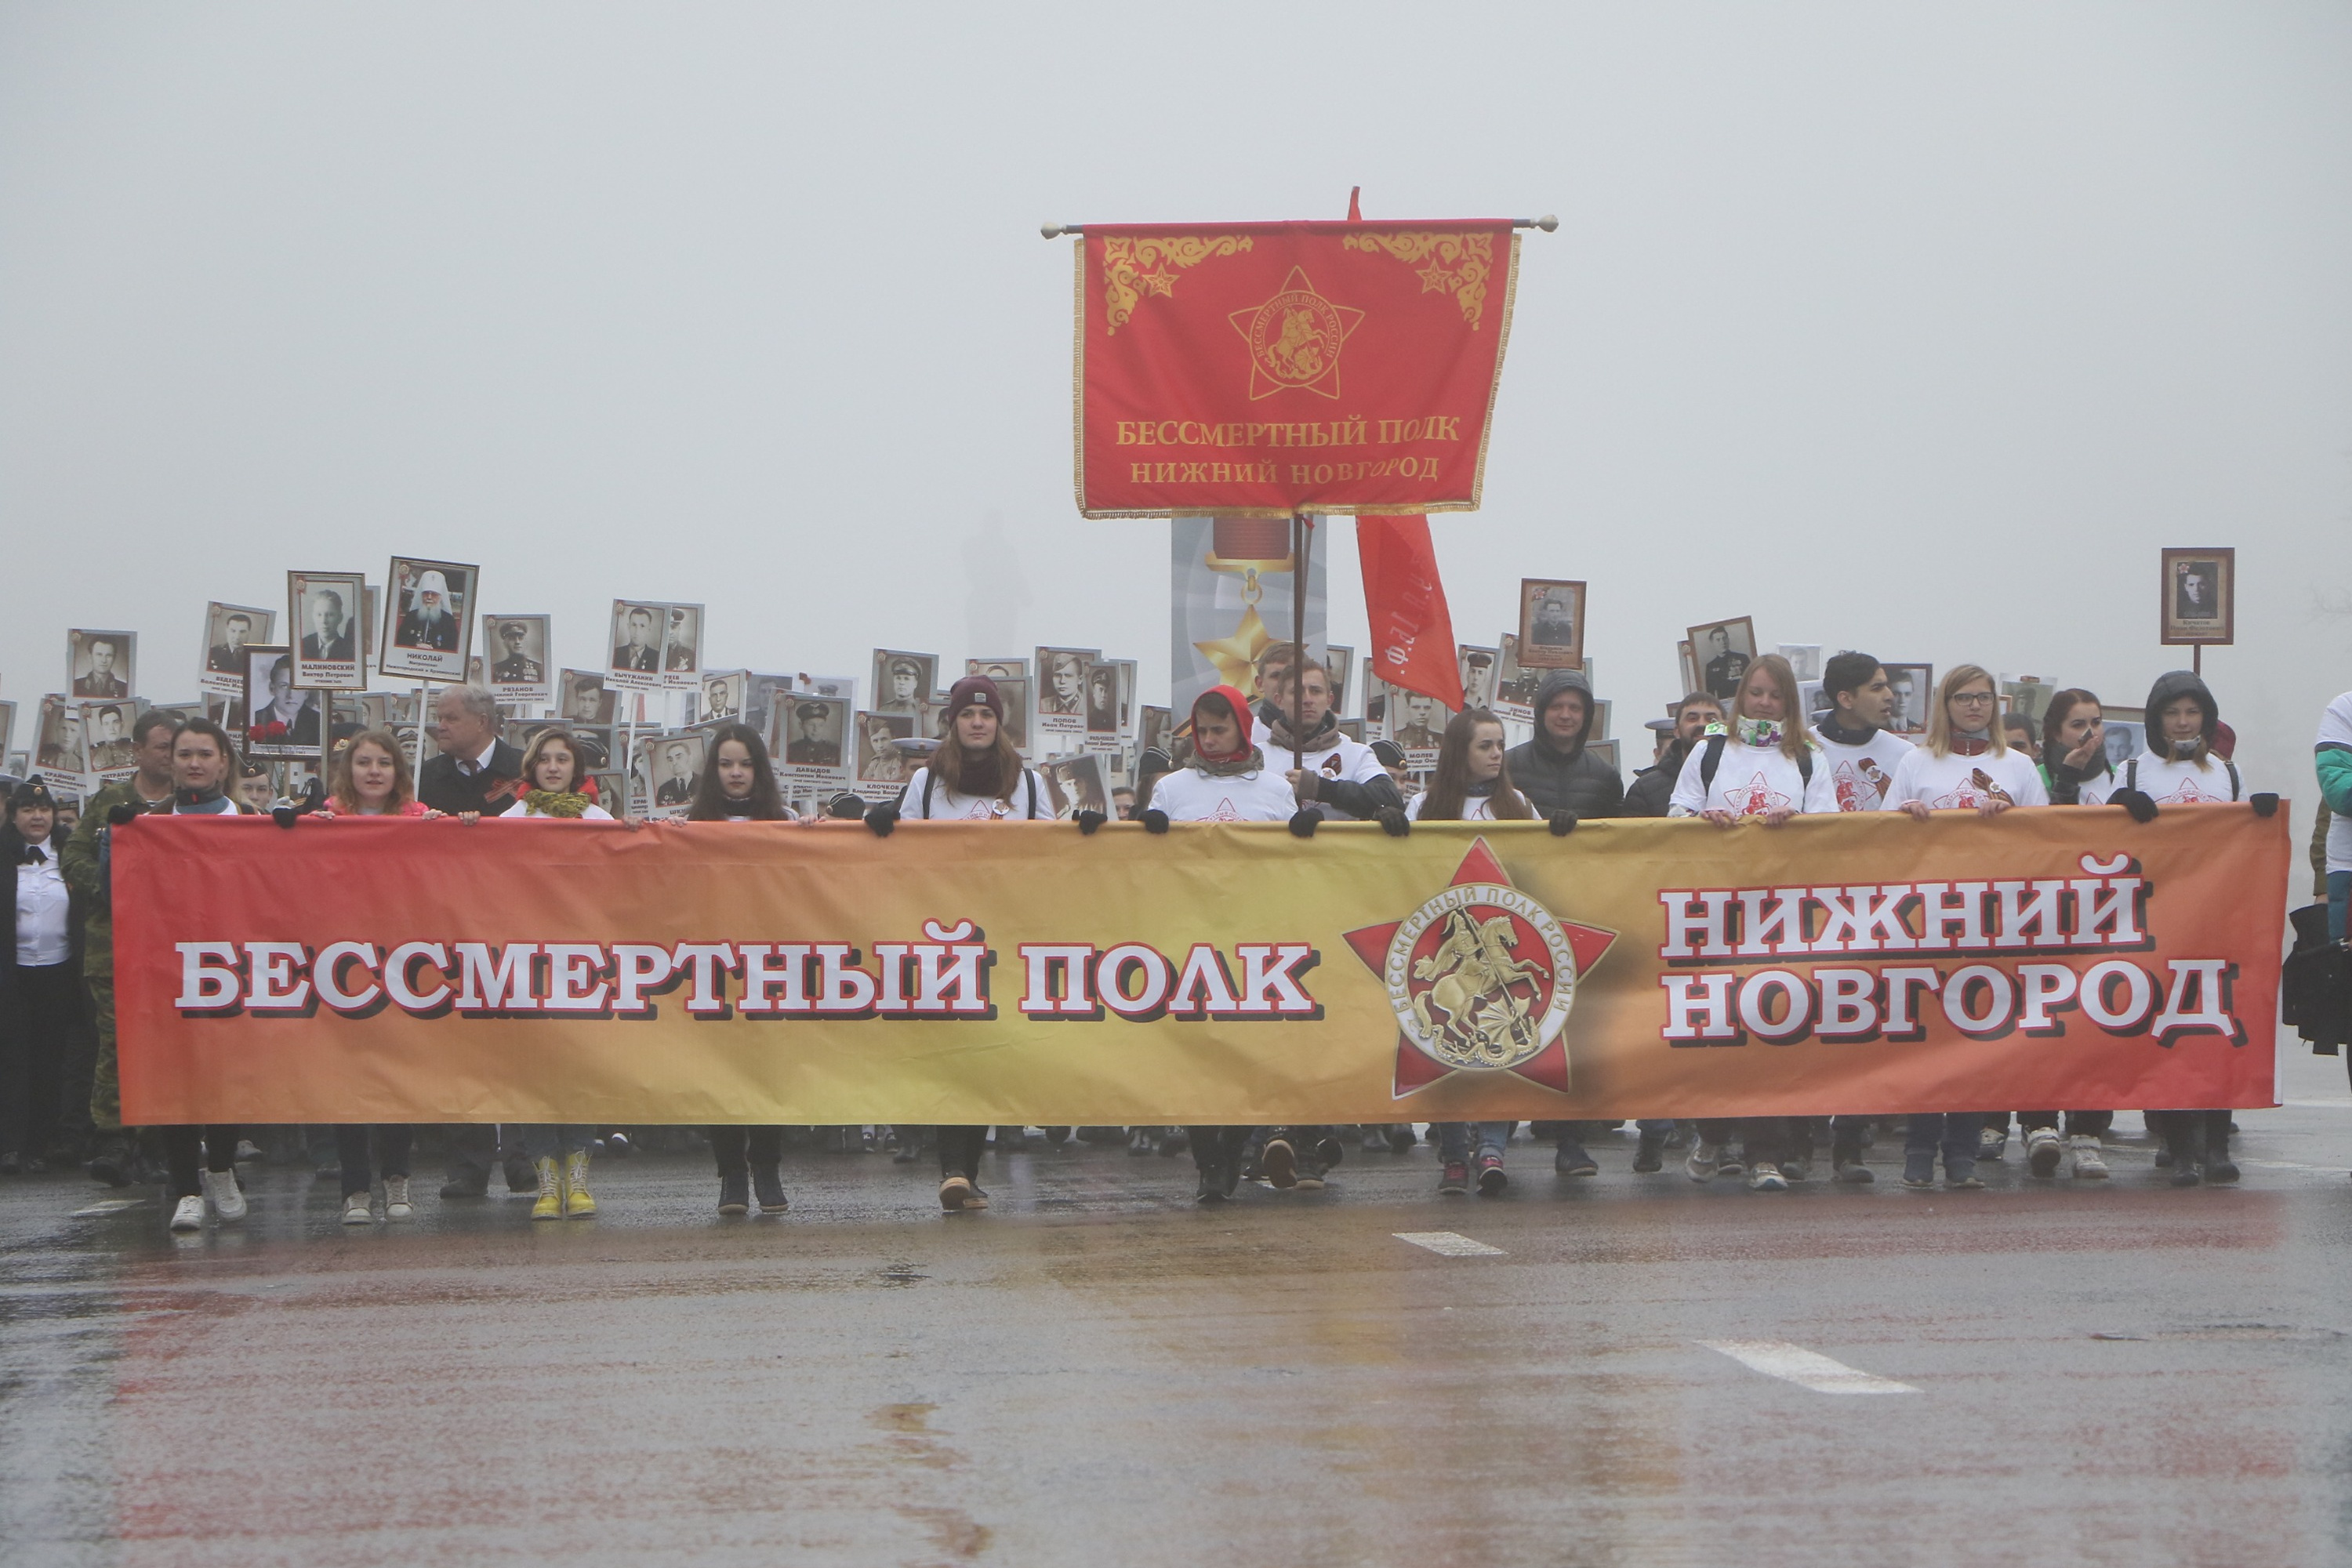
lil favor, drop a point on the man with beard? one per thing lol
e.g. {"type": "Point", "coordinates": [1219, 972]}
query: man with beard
{"type": "Point", "coordinates": [429, 622]}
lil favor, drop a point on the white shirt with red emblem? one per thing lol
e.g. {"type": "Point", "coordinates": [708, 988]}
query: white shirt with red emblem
{"type": "Point", "coordinates": [1861, 775]}
{"type": "Point", "coordinates": [2181, 784]}
{"type": "Point", "coordinates": [1749, 781]}
{"type": "Point", "coordinates": [949, 805]}
{"type": "Point", "coordinates": [1956, 783]}
{"type": "Point", "coordinates": [1188, 794]}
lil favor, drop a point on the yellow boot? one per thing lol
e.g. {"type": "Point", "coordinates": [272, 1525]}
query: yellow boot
{"type": "Point", "coordinates": [577, 1203]}
{"type": "Point", "coordinates": [550, 1204]}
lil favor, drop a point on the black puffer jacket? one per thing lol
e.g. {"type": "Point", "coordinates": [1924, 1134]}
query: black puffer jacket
{"type": "Point", "coordinates": [1653, 790]}
{"type": "Point", "coordinates": [1570, 779]}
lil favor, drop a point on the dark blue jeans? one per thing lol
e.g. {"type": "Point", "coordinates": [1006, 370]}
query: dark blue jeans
{"type": "Point", "coordinates": [1954, 1131]}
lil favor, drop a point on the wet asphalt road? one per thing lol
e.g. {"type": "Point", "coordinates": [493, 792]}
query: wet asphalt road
{"type": "Point", "coordinates": [1097, 1371]}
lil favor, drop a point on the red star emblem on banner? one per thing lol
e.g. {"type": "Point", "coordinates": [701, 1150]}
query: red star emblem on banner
{"type": "Point", "coordinates": [1480, 975]}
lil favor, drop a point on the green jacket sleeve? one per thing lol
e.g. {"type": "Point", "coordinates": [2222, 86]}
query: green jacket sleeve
{"type": "Point", "coordinates": [79, 860]}
{"type": "Point", "coordinates": [2335, 779]}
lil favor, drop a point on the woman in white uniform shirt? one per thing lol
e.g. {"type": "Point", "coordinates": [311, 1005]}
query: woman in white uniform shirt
{"type": "Point", "coordinates": [40, 982]}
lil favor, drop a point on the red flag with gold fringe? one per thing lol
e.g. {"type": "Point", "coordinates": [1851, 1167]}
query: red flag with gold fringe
{"type": "Point", "coordinates": [1264, 369]}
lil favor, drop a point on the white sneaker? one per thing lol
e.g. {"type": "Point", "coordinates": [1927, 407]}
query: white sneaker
{"type": "Point", "coordinates": [1700, 1164]}
{"type": "Point", "coordinates": [356, 1210]}
{"type": "Point", "coordinates": [1764, 1176]}
{"type": "Point", "coordinates": [2042, 1151]}
{"type": "Point", "coordinates": [395, 1199]}
{"type": "Point", "coordinates": [188, 1215]}
{"type": "Point", "coordinates": [228, 1201]}
{"type": "Point", "coordinates": [2088, 1165]}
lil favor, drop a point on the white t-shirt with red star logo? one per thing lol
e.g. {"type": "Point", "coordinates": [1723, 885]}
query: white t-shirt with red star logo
{"type": "Point", "coordinates": [1188, 794]}
{"type": "Point", "coordinates": [1956, 783]}
{"type": "Point", "coordinates": [1750, 781]}
{"type": "Point", "coordinates": [1861, 775]}
{"type": "Point", "coordinates": [2182, 783]}
{"type": "Point", "coordinates": [952, 806]}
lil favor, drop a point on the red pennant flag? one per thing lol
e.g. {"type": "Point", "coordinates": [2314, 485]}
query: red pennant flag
{"type": "Point", "coordinates": [1413, 633]}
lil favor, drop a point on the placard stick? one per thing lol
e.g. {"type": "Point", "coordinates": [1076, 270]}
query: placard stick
{"type": "Point", "coordinates": [1298, 546]}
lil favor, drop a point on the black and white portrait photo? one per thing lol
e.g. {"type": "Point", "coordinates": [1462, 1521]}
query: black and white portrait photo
{"type": "Point", "coordinates": [2200, 596]}
{"type": "Point", "coordinates": [105, 734]}
{"type": "Point", "coordinates": [428, 625]}
{"type": "Point", "coordinates": [99, 663]}
{"type": "Point", "coordinates": [1076, 784]}
{"type": "Point", "coordinates": [1914, 694]}
{"type": "Point", "coordinates": [1477, 667]}
{"type": "Point", "coordinates": [677, 766]}
{"type": "Point", "coordinates": [682, 645]}
{"type": "Point", "coordinates": [583, 698]}
{"type": "Point", "coordinates": [1551, 624]}
{"type": "Point", "coordinates": [515, 650]}
{"type": "Point", "coordinates": [903, 683]}
{"type": "Point", "coordinates": [812, 735]}
{"type": "Point", "coordinates": [1062, 681]}
{"type": "Point", "coordinates": [1110, 698]}
{"type": "Point", "coordinates": [282, 719]}
{"type": "Point", "coordinates": [227, 628]}
{"type": "Point", "coordinates": [1515, 685]}
{"type": "Point", "coordinates": [57, 743]}
{"type": "Point", "coordinates": [325, 610]}
{"type": "Point", "coordinates": [880, 761]}
{"type": "Point", "coordinates": [1723, 650]}
{"type": "Point", "coordinates": [1420, 722]}
{"type": "Point", "coordinates": [722, 694]}
{"type": "Point", "coordinates": [637, 644]}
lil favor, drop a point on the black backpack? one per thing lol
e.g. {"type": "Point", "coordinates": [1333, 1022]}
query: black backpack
{"type": "Point", "coordinates": [2131, 775]}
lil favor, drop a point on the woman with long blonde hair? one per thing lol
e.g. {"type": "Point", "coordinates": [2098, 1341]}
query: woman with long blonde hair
{"type": "Point", "coordinates": [1761, 766]}
{"type": "Point", "coordinates": [1967, 762]}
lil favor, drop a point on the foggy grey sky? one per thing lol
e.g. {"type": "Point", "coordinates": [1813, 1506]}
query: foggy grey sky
{"type": "Point", "coordinates": [1912, 330]}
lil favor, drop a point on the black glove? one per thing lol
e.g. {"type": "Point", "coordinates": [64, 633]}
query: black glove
{"type": "Point", "coordinates": [285, 815]}
{"type": "Point", "coordinates": [1154, 820]}
{"type": "Point", "coordinates": [2264, 804]}
{"type": "Point", "coordinates": [1088, 821]}
{"type": "Point", "coordinates": [2137, 801]}
{"type": "Point", "coordinates": [1305, 821]}
{"type": "Point", "coordinates": [1394, 822]}
{"type": "Point", "coordinates": [123, 813]}
{"type": "Point", "coordinates": [883, 819]}
{"type": "Point", "coordinates": [1563, 822]}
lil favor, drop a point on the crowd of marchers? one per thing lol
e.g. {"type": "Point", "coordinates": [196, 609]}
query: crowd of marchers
{"type": "Point", "coordinates": [1283, 759]}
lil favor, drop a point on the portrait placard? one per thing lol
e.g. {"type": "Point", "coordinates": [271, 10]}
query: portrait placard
{"type": "Point", "coordinates": [517, 649]}
{"type": "Point", "coordinates": [1515, 685]}
{"type": "Point", "coordinates": [584, 698]}
{"type": "Point", "coordinates": [1153, 729]}
{"type": "Point", "coordinates": [227, 628]}
{"type": "Point", "coordinates": [1075, 784]}
{"type": "Point", "coordinates": [2200, 590]}
{"type": "Point", "coordinates": [428, 620]}
{"type": "Point", "coordinates": [1723, 651]}
{"type": "Point", "coordinates": [282, 719]}
{"type": "Point", "coordinates": [1341, 663]}
{"type": "Point", "coordinates": [1110, 703]}
{"type": "Point", "coordinates": [1478, 667]}
{"type": "Point", "coordinates": [1607, 751]}
{"type": "Point", "coordinates": [903, 683]}
{"type": "Point", "coordinates": [672, 761]}
{"type": "Point", "coordinates": [882, 762]}
{"type": "Point", "coordinates": [1915, 695]}
{"type": "Point", "coordinates": [2126, 732]}
{"type": "Point", "coordinates": [681, 647]}
{"type": "Point", "coordinates": [808, 741]}
{"type": "Point", "coordinates": [7, 733]}
{"type": "Point", "coordinates": [1551, 624]}
{"type": "Point", "coordinates": [1418, 724]}
{"type": "Point", "coordinates": [1804, 659]}
{"type": "Point", "coordinates": [323, 620]}
{"type": "Point", "coordinates": [760, 696]}
{"type": "Point", "coordinates": [723, 694]}
{"type": "Point", "coordinates": [57, 754]}
{"type": "Point", "coordinates": [106, 739]}
{"type": "Point", "coordinates": [2027, 698]}
{"type": "Point", "coordinates": [99, 664]}
{"type": "Point", "coordinates": [1062, 697]}
{"type": "Point", "coordinates": [370, 622]}
{"type": "Point", "coordinates": [636, 663]}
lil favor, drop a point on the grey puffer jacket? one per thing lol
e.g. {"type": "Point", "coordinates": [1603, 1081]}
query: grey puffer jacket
{"type": "Point", "coordinates": [1565, 779]}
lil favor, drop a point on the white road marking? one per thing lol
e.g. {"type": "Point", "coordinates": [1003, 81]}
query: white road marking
{"type": "Point", "coordinates": [2291, 1166]}
{"type": "Point", "coordinates": [1445, 1244]}
{"type": "Point", "coordinates": [1806, 1369]}
{"type": "Point", "coordinates": [110, 1206]}
{"type": "Point", "coordinates": [2340, 1102]}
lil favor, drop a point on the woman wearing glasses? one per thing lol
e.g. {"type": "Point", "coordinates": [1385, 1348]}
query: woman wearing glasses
{"type": "Point", "coordinates": [1966, 764]}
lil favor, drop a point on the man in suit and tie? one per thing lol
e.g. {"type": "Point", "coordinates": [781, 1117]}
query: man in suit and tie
{"type": "Point", "coordinates": [330, 637]}
{"type": "Point", "coordinates": [516, 668]}
{"type": "Point", "coordinates": [638, 653]}
{"type": "Point", "coordinates": [101, 680]}
{"type": "Point", "coordinates": [678, 789]}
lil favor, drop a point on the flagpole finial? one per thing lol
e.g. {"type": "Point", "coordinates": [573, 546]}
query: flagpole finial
{"type": "Point", "coordinates": [1548, 222]}
{"type": "Point", "coordinates": [1056, 230]}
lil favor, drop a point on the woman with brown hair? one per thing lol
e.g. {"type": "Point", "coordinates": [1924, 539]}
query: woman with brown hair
{"type": "Point", "coordinates": [976, 775]}
{"type": "Point", "coordinates": [739, 785]}
{"type": "Point", "coordinates": [1761, 764]}
{"type": "Point", "coordinates": [371, 779]}
{"type": "Point", "coordinates": [1472, 783]}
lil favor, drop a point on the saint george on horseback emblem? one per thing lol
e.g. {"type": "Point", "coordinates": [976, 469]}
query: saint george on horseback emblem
{"type": "Point", "coordinates": [1481, 978]}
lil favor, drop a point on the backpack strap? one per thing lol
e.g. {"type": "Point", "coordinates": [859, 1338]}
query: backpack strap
{"type": "Point", "coordinates": [1805, 766]}
{"type": "Point", "coordinates": [1031, 774]}
{"type": "Point", "coordinates": [930, 776]}
{"type": "Point", "coordinates": [1710, 760]}
{"type": "Point", "coordinates": [2131, 774]}
{"type": "Point", "coordinates": [2234, 785]}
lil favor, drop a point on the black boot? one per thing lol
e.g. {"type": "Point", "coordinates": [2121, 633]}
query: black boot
{"type": "Point", "coordinates": [1212, 1188]}
{"type": "Point", "coordinates": [2180, 1130]}
{"type": "Point", "coordinates": [1649, 1152]}
{"type": "Point", "coordinates": [734, 1193]}
{"type": "Point", "coordinates": [2219, 1167]}
{"type": "Point", "coordinates": [468, 1180]}
{"type": "Point", "coordinates": [521, 1175]}
{"type": "Point", "coordinates": [767, 1183]}
{"type": "Point", "coordinates": [115, 1163]}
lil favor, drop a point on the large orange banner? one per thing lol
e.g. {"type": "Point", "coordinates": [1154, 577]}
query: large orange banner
{"type": "Point", "coordinates": [398, 970]}
{"type": "Point", "coordinates": [1262, 369]}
